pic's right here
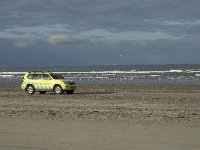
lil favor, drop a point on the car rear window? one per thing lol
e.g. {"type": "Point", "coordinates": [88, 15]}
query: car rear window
{"type": "Point", "coordinates": [30, 76]}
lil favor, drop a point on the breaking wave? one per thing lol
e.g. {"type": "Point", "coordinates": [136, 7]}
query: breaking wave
{"type": "Point", "coordinates": [119, 76]}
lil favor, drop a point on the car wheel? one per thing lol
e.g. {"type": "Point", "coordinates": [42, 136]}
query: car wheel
{"type": "Point", "coordinates": [58, 89]}
{"type": "Point", "coordinates": [42, 92]}
{"type": "Point", "coordinates": [70, 91]}
{"type": "Point", "coordinates": [30, 89]}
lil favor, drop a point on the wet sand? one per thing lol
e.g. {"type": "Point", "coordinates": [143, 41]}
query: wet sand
{"type": "Point", "coordinates": [102, 116]}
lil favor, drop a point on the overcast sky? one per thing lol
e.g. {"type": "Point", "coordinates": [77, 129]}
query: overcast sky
{"type": "Point", "coordinates": [99, 32]}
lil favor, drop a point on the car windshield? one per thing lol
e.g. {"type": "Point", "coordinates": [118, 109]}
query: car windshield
{"type": "Point", "coordinates": [57, 76]}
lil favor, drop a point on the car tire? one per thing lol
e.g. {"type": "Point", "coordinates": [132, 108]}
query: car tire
{"type": "Point", "coordinates": [30, 89]}
{"type": "Point", "coordinates": [42, 92]}
{"type": "Point", "coordinates": [58, 89]}
{"type": "Point", "coordinates": [70, 91]}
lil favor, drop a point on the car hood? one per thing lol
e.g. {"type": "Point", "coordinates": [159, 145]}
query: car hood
{"type": "Point", "coordinates": [68, 81]}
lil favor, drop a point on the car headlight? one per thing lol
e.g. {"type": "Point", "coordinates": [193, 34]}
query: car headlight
{"type": "Point", "coordinates": [66, 82]}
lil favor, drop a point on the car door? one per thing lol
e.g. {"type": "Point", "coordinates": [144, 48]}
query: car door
{"type": "Point", "coordinates": [47, 82]}
{"type": "Point", "coordinates": [37, 81]}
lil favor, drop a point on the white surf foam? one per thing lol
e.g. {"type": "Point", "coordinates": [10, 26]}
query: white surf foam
{"type": "Point", "coordinates": [6, 76]}
{"type": "Point", "coordinates": [109, 72]}
{"type": "Point", "coordinates": [12, 73]}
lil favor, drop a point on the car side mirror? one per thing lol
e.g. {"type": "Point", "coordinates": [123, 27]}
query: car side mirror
{"type": "Point", "coordinates": [48, 78]}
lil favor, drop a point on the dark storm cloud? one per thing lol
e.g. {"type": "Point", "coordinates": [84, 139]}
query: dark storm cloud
{"type": "Point", "coordinates": [92, 14]}
{"type": "Point", "coordinates": [100, 31]}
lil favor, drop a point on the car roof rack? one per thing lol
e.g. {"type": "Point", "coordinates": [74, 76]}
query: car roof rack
{"type": "Point", "coordinates": [40, 71]}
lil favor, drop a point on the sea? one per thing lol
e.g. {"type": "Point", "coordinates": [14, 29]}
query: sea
{"type": "Point", "coordinates": [108, 74]}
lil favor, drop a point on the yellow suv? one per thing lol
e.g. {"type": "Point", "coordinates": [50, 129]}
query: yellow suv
{"type": "Point", "coordinates": [46, 82]}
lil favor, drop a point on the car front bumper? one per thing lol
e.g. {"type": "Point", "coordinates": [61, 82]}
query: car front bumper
{"type": "Point", "coordinates": [69, 87]}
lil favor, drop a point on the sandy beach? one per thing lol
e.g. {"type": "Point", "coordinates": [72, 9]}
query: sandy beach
{"type": "Point", "coordinates": [102, 116]}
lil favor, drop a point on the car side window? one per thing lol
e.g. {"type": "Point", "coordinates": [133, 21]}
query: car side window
{"type": "Point", "coordinates": [45, 76]}
{"type": "Point", "coordinates": [36, 76]}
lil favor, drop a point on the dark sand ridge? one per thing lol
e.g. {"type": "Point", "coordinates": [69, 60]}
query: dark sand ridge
{"type": "Point", "coordinates": [146, 103]}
